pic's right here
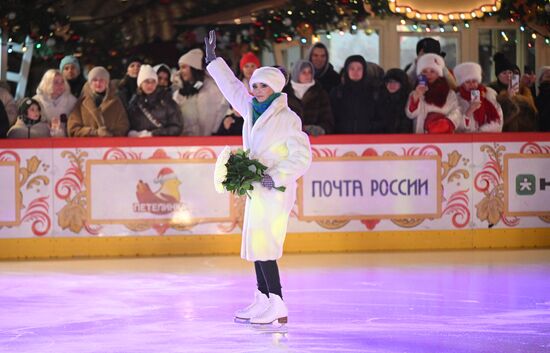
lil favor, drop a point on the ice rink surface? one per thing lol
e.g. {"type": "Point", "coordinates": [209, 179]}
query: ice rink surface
{"type": "Point", "coordinates": [401, 302]}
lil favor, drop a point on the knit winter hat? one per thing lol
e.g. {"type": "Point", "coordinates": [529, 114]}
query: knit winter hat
{"type": "Point", "coordinates": [467, 71]}
{"type": "Point", "coordinates": [25, 105]}
{"type": "Point", "coordinates": [271, 76]}
{"type": "Point", "coordinates": [542, 70]}
{"type": "Point", "coordinates": [502, 64]}
{"type": "Point", "coordinates": [69, 59]}
{"type": "Point", "coordinates": [146, 72]}
{"type": "Point", "coordinates": [98, 72]}
{"type": "Point", "coordinates": [249, 58]}
{"type": "Point", "coordinates": [431, 61]}
{"type": "Point", "coordinates": [192, 58]}
{"type": "Point", "coordinates": [298, 67]}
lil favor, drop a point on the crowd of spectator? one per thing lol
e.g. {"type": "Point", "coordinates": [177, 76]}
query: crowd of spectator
{"type": "Point", "coordinates": [425, 97]}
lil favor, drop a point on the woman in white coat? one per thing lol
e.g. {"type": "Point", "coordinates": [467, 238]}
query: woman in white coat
{"type": "Point", "coordinates": [273, 134]}
{"type": "Point", "coordinates": [432, 104]}
{"type": "Point", "coordinates": [478, 104]}
{"type": "Point", "coordinates": [57, 102]}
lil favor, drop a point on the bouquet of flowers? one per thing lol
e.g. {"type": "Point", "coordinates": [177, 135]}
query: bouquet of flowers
{"type": "Point", "coordinates": [235, 172]}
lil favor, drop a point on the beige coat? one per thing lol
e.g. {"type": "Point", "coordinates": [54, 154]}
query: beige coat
{"type": "Point", "coordinates": [278, 142]}
{"type": "Point", "coordinates": [86, 118]}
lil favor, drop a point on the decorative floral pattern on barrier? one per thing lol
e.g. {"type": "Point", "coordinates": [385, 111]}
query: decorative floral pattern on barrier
{"type": "Point", "coordinates": [456, 205]}
{"type": "Point", "coordinates": [71, 188]}
{"type": "Point", "coordinates": [490, 182]}
{"type": "Point", "coordinates": [37, 211]}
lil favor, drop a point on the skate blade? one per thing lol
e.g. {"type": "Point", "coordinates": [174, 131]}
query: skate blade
{"type": "Point", "coordinates": [270, 328]}
{"type": "Point", "coordinates": [238, 320]}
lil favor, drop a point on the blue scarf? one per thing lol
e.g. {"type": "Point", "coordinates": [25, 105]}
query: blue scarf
{"type": "Point", "coordinates": [259, 108]}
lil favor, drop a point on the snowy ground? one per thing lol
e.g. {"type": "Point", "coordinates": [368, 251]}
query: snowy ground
{"type": "Point", "coordinates": [429, 302]}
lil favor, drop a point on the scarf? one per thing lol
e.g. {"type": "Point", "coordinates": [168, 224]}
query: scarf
{"type": "Point", "coordinates": [301, 88]}
{"type": "Point", "coordinates": [98, 98]}
{"type": "Point", "coordinates": [437, 92]}
{"type": "Point", "coordinates": [258, 108]}
{"type": "Point", "coordinates": [487, 113]}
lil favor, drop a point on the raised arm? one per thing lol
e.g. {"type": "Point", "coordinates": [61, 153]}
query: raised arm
{"type": "Point", "coordinates": [231, 87]}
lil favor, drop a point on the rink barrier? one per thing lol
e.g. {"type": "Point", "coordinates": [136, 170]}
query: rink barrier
{"type": "Point", "coordinates": [57, 185]}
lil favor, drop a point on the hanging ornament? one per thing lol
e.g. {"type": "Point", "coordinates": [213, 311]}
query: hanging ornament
{"type": "Point", "coordinates": [304, 29]}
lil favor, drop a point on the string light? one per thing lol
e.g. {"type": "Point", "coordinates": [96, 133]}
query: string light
{"type": "Point", "coordinates": [455, 28]}
{"type": "Point", "coordinates": [534, 36]}
{"type": "Point", "coordinates": [466, 24]}
{"type": "Point", "coordinates": [522, 28]}
{"type": "Point", "coordinates": [441, 28]}
{"type": "Point", "coordinates": [504, 35]}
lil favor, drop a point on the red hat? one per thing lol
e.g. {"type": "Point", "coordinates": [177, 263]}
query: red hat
{"type": "Point", "coordinates": [249, 58]}
{"type": "Point", "coordinates": [165, 174]}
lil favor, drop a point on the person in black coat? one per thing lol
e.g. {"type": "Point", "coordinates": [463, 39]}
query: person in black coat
{"type": "Point", "coordinates": [543, 98]}
{"type": "Point", "coordinates": [127, 86]}
{"type": "Point", "coordinates": [4, 121]}
{"type": "Point", "coordinates": [152, 111]}
{"type": "Point", "coordinates": [324, 71]}
{"type": "Point", "coordinates": [353, 101]}
{"type": "Point", "coordinates": [390, 106]}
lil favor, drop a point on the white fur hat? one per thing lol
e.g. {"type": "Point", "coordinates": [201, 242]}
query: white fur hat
{"type": "Point", "coordinates": [271, 76]}
{"type": "Point", "coordinates": [146, 72]}
{"type": "Point", "coordinates": [467, 71]}
{"type": "Point", "coordinates": [432, 61]}
{"type": "Point", "coordinates": [192, 58]}
{"type": "Point", "coordinates": [542, 70]}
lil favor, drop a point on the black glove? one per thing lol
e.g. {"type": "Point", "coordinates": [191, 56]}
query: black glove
{"type": "Point", "coordinates": [267, 182]}
{"type": "Point", "coordinates": [210, 47]}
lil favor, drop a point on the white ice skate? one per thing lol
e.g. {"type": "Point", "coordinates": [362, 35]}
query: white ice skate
{"type": "Point", "coordinates": [276, 312]}
{"type": "Point", "coordinates": [260, 304]}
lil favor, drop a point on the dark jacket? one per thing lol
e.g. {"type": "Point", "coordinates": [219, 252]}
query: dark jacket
{"type": "Point", "coordinates": [543, 106]}
{"type": "Point", "coordinates": [236, 129]}
{"type": "Point", "coordinates": [353, 104]}
{"type": "Point", "coordinates": [314, 107]}
{"type": "Point", "coordinates": [163, 110]}
{"type": "Point", "coordinates": [390, 107]}
{"type": "Point", "coordinates": [127, 87]}
{"type": "Point", "coordinates": [76, 85]}
{"type": "Point", "coordinates": [329, 79]}
{"type": "Point", "coordinates": [4, 121]}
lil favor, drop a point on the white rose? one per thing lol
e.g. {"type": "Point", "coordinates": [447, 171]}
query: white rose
{"type": "Point", "coordinates": [220, 170]}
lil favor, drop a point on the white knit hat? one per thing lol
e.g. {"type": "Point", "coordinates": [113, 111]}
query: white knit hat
{"type": "Point", "coordinates": [146, 72]}
{"type": "Point", "coordinates": [271, 76]}
{"type": "Point", "coordinates": [467, 71]}
{"type": "Point", "coordinates": [542, 70]}
{"type": "Point", "coordinates": [432, 61]}
{"type": "Point", "coordinates": [192, 58]}
{"type": "Point", "coordinates": [98, 72]}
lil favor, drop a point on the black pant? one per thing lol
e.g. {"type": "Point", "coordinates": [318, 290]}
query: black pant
{"type": "Point", "coordinates": [267, 276]}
